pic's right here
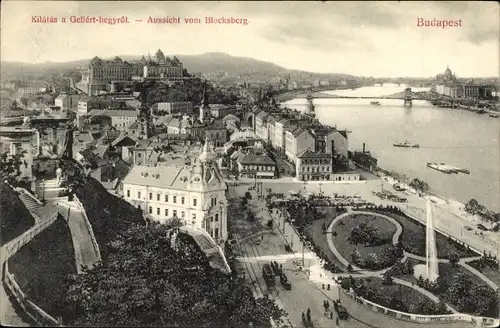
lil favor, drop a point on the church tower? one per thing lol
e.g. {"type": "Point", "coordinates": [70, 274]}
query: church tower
{"type": "Point", "coordinates": [204, 107]}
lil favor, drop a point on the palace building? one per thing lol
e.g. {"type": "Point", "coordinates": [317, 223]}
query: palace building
{"type": "Point", "coordinates": [194, 193]}
{"type": "Point", "coordinates": [108, 75]}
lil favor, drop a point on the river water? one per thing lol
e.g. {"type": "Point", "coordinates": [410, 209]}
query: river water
{"type": "Point", "coordinates": [456, 137]}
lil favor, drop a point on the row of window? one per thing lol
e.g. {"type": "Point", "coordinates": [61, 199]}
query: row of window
{"type": "Point", "coordinates": [213, 200]}
{"type": "Point", "coordinates": [166, 213]}
{"type": "Point", "coordinates": [259, 167]}
{"type": "Point", "coordinates": [316, 161]}
{"type": "Point", "coordinates": [315, 169]}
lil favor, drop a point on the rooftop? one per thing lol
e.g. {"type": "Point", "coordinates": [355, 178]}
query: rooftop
{"type": "Point", "coordinates": [160, 176]}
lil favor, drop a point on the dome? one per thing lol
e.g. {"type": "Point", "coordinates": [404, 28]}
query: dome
{"type": "Point", "coordinates": [448, 72]}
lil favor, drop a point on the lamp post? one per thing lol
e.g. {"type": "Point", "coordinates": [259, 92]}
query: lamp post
{"type": "Point", "coordinates": [43, 190]}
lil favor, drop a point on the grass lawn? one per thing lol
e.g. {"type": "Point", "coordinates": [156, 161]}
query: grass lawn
{"type": "Point", "coordinates": [42, 266]}
{"type": "Point", "coordinates": [386, 231]}
{"type": "Point", "coordinates": [488, 271]}
{"type": "Point", "coordinates": [316, 232]}
{"type": "Point", "coordinates": [15, 217]}
{"type": "Point", "coordinates": [108, 215]}
{"type": "Point", "coordinates": [413, 239]}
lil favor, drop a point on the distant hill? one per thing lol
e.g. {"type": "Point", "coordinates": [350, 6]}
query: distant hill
{"type": "Point", "coordinates": [208, 63]}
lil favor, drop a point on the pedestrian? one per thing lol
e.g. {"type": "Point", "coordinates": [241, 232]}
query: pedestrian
{"type": "Point", "coordinates": [308, 315]}
{"type": "Point", "coordinates": [303, 318]}
{"type": "Point", "coordinates": [327, 304]}
{"type": "Point", "coordinates": [337, 321]}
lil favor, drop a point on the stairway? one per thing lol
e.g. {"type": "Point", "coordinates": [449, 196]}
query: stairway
{"type": "Point", "coordinates": [29, 202]}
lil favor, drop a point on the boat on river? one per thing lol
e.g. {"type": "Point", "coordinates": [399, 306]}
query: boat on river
{"type": "Point", "coordinates": [375, 103]}
{"type": "Point", "coordinates": [442, 167]}
{"type": "Point", "coordinates": [494, 115]}
{"type": "Point", "coordinates": [406, 144]}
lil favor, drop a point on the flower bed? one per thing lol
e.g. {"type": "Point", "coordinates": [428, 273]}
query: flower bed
{"type": "Point", "coordinates": [397, 297]}
{"type": "Point", "coordinates": [42, 266]}
{"type": "Point", "coordinates": [487, 266]}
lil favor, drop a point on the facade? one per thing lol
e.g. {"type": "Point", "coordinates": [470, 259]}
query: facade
{"type": "Point", "coordinates": [196, 194]}
{"type": "Point", "coordinates": [33, 89]}
{"type": "Point", "coordinates": [84, 105]}
{"type": "Point", "coordinates": [261, 125]}
{"type": "Point", "coordinates": [279, 135]}
{"type": "Point", "coordinates": [63, 101]}
{"type": "Point", "coordinates": [256, 164]}
{"type": "Point", "coordinates": [297, 140]}
{"type": "Point", "coordinates": [120, 119]}
{"type": "Point", "coordinates": [448, 85]}
{"type": "Point", "coordinates": [104, 75]}
{"type": "Point", "coordinates": [171, 108]}
{"type": "Point", "coordinates": [314, 166]}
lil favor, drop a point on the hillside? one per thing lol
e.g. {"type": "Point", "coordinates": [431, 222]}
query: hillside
{"type": "Point", "coordinates": [15, 217]}
{"type": "Point", "coordinates": [42, 267]}
{"type": "Point", "coordinates": [208, 63]}
{"type": "Point", "coordinates": [109, 215]}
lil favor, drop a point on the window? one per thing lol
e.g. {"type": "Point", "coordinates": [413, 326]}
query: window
{"type": "Point", "coordinates": [166, 212]}
{"type": "Point", "coordinates": [182, 214]}
{"type": "Point", "coordinates": [128, 193]}
{"type": "Point", "coordinates": [213, 201]}
{"type": "Point", "coordinates": [158, 197]}
{"type": "Point", "coordinates": [166, 198]}
{"type": "Point", "coordinates": [194, 216]}
{"type": "Point", "coordinates": [175, 213]}
{"type": "Point", "coordinates": [139, 194]}
{"type": "Point", "coordinates": [216, 217]}
{"type": "Point", "coordinates": [157, 211]}
{"type": "Point", "coordinates": [211, 219]}
{"type": "Point", "coordinates": [175, 199]}
{"type": "Point", "coordinates": [139, 155]}
{"type": "Point", "coordinates": [150, 196]}
{"type": "Point", "coordinates": [194, 202]}
{"type": "Point", "coordinates": [182, 200]}
{"type": "Point", "coordinates": [150, 210]}
{"type": "Point", "coordinates": [216, 233]}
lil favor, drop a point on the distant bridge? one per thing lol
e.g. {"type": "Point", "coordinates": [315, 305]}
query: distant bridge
{"type": "Point", "coordinates": [321, 95]}
{"type": "Point", "coordinates": [35, 120]}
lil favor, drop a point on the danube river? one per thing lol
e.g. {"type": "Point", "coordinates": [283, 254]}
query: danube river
{"type": "Point", "coordinates": [456, 137]}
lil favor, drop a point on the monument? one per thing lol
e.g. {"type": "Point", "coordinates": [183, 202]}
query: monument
{"type": "Point", "coordinates": [429, 270]}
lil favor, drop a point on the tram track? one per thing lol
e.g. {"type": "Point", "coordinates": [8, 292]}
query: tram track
{"type": "Point", "coordinates": [250, 269]}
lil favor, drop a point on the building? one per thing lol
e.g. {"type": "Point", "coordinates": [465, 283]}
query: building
{"type": "Point", "coordinates": [297, 140]}
{"type": "Point", "coordinates": [261, 125]}
{"type": "Point", "coordinates": [279, 135]}
{"type": "Point", "coordinates": [63, 101]}
{"type": "Point", "coordinates": [33, 88]}
{"type": "Point", "coordinates": [254, 163]}
{"type": "Point", "coordinates": [317, 166]}
{"type": "Point", "coordinates": [84, 105]}
{"type": "Point", "coordinates": [105, 75]}
{"type": "Point", "coordinates": [171, 108]}
{"type": "Point", "coordinates": [120, 119]}
{"type": "Point", "coordinates": [196, 194]}
{"type": "Point", "coordinates": [14, 140]}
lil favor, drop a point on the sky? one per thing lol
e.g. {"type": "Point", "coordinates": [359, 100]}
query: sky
{"type": "Point", "coordinates": [359, 38]}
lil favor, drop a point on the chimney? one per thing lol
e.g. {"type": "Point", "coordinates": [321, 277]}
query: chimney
{"type": "Point", "coordinates": [364, 147]}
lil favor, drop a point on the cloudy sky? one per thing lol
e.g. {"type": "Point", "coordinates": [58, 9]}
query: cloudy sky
{"type": "Point", "coordinates": [361, 38]}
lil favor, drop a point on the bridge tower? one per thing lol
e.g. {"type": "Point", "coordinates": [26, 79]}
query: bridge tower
{"type": "Point", "coordinates": [408, 97]}
{"type": "Point", "coordinates": [310, 104]}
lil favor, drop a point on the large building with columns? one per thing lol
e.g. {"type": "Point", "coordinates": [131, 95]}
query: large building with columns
{"type": "Point", "coordinates": [196, 193]}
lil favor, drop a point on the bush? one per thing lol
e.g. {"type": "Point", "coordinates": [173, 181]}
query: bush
{"type": "Point", "coordinates": [248, 195]}
{"type": "Point", "coordinates": [270, 224]}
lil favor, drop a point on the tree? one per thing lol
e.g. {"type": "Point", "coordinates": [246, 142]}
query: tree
{"type": "Point", "coordinates": [420, 186]}
{"type": "Point", "coordinates": [472, 206]}
{"type": "Point", "coordinates": [154, 279]}
{"type": "Point", "coordinates": [372, 261]}
{"type": "Point", "coordinates": [387, 280]}
{"type": "Point", "coordinates": [10, 166]}
{"type": "Point", "coordinates": [454, 258]}
{"type": "Point", "coordinates": [356, 256]}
